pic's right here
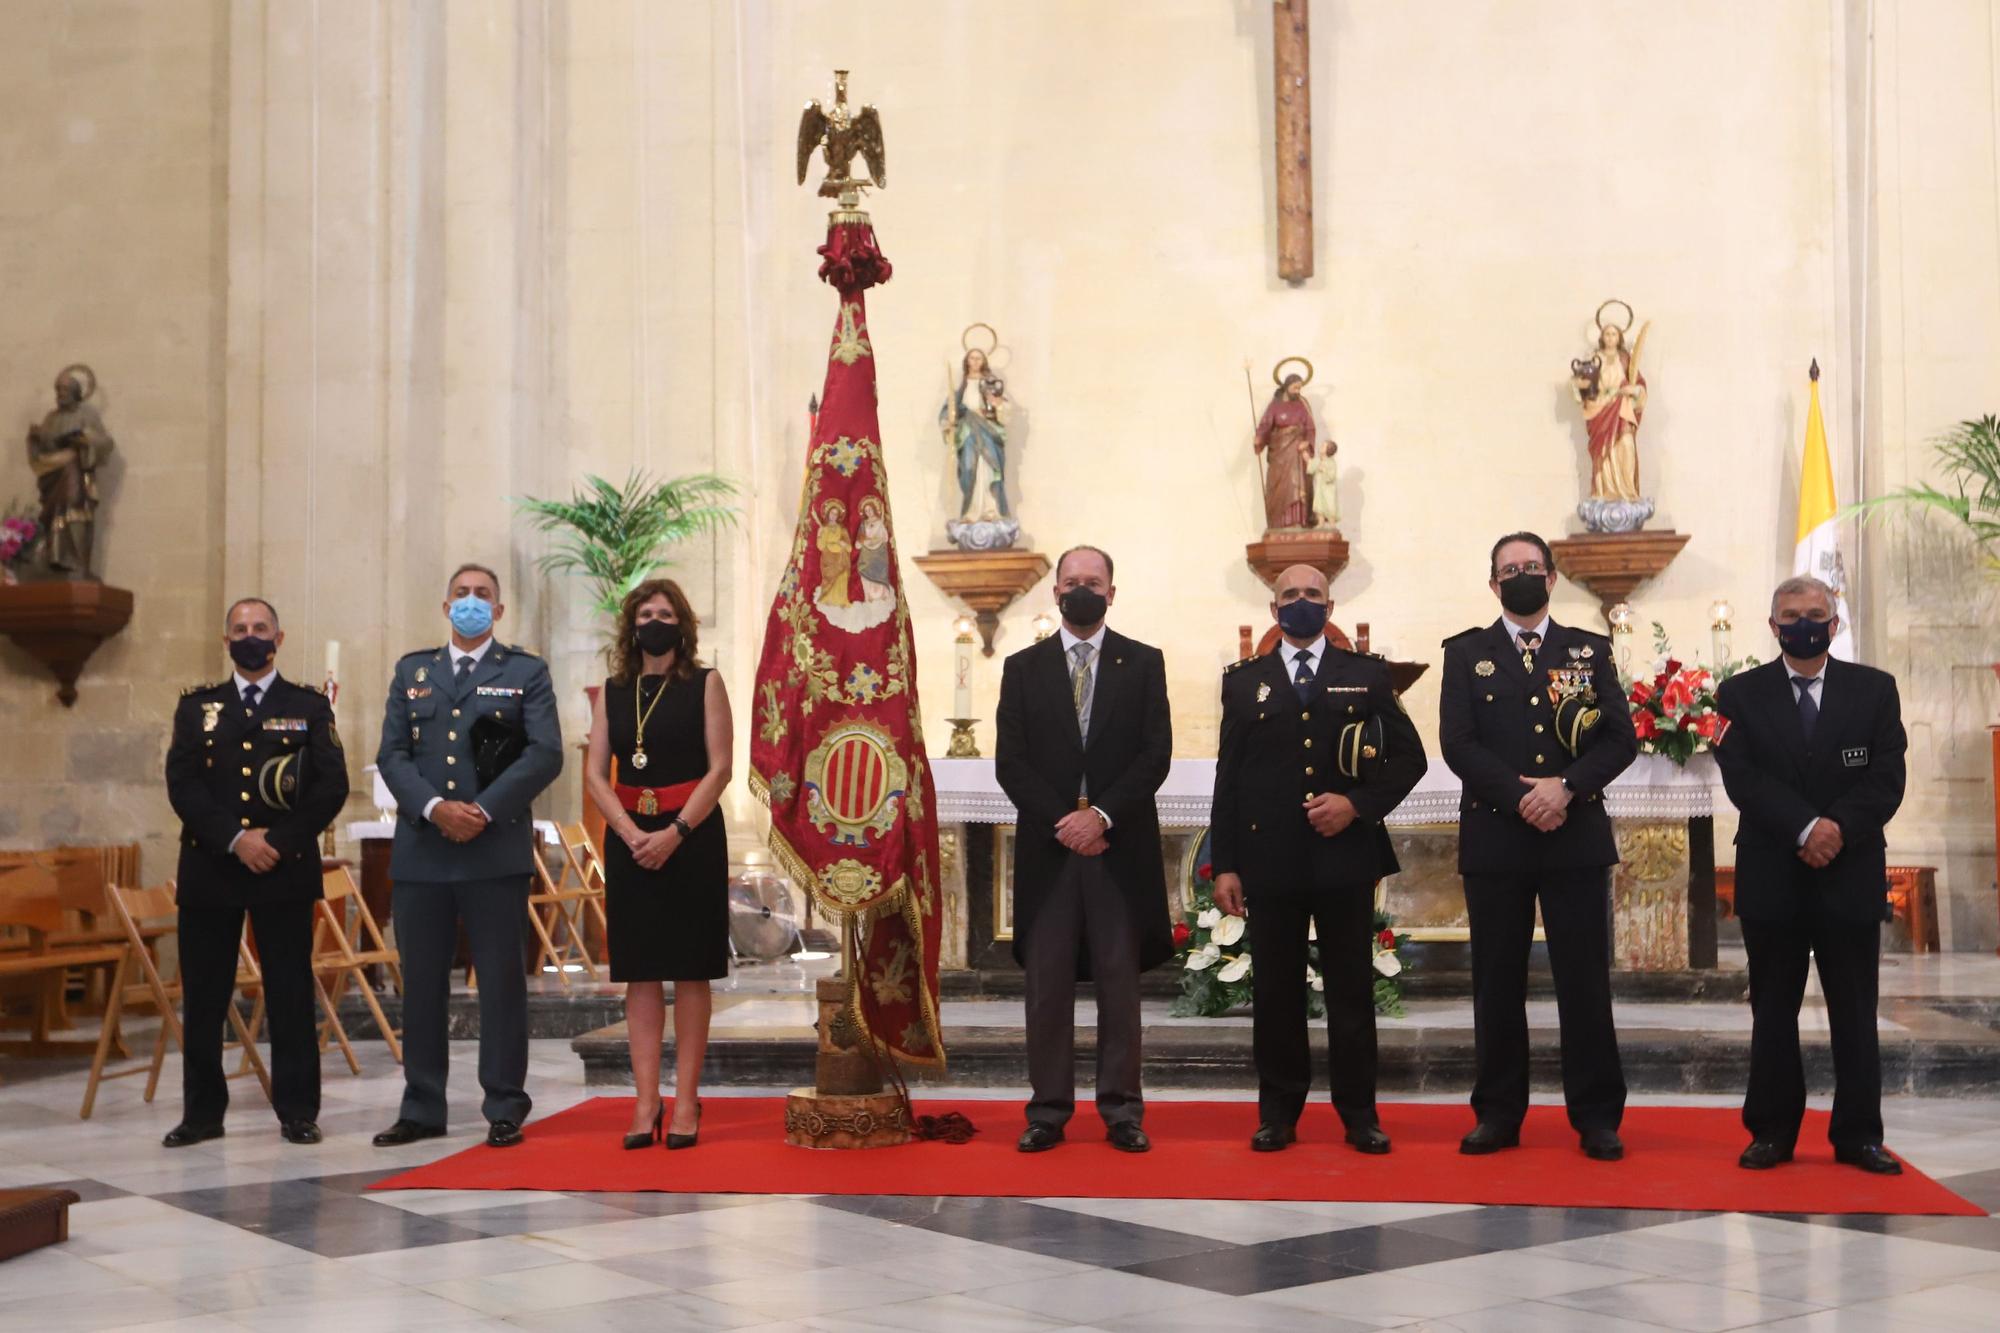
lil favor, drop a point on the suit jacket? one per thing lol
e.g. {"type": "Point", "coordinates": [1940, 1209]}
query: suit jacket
{"type": "Point", "coordinates": [1852, 773]}
{"type": "Point", "coordinates": [1041, 763]}
{"type": "Point", "coordinates": [426, 751]}
{"type": "Point", "coordinates": [1276, 752]}
{"type": "Point", "coordinates": [1496, 724]}
{"type": "Point", "coordinates": [277, 767]}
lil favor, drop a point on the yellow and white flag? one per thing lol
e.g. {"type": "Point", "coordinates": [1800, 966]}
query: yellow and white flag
{"type": "Point", "coordinates": [1818, 543]}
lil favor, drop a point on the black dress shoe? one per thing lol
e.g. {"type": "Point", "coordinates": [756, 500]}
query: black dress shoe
{"type": "Point", "coordinates": [1488, 1137]}
{"type": "Point", "coordinates": [1369, 1139]}
{"type": "Point", "coordinates": [1873, 1158]}
{"type": "Point", "coordinates": [1128, 1137]}
{"type": "Point", "coordinates": [1602, 1145]}
{"type": "Point", "coordinates": [300, 1131]}
{"type": "Point", "coordinates": [1039, 1137]}
{"type": "Point", "coordinates": [1273, 1138]}
{"type": "Point", "coordinates": [503, 1134]}
{"type": "Point", "coordinates": [1762, 1155]}
{"type": "Point", "coordinates": [185, 1135]}
{"type": "Point", "coordinates": [407, 1131]}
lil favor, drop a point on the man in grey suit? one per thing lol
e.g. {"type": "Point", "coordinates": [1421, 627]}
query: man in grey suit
{"type": "Point", "coordinates": [469, 739]}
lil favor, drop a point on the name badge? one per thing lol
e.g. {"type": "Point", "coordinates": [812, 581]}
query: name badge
{"type": "Point", "coordinates": [1855, 757]}
{"type": "Point", "coordinates": [285, 724]}
{"type": "Point", "coordinates": [498, 691]}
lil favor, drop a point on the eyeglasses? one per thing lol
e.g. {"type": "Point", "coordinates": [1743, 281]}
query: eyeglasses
{"type": "Point", "coordinates": [1532, 567]}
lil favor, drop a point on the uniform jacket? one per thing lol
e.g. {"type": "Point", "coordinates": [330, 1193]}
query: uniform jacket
{"type": "Point", "coordinates": [427, 752]}
{"type": "Point", "coordinates": [1276, 752]}
{"type": "Point", "coordinates": [1496, 724]}
{"type": "Point", "coordinates": [1852, 773]}
{"type": "Point", "coordinates": [226, 767]}
{"type": "Point", "coordinates": [1041, 762]}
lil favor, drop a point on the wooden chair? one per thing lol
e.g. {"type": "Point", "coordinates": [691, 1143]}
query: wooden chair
{"type": "Point", "coordinates": [346, 941]}
{"type": "Point", "coordinates": [558, 908]}
{"type": "Point", "coordinates": [35, 901]}
{"type": "Point", "coordinates": [137, 981]}
{"type": "Point", "coordinates": [76, 877]}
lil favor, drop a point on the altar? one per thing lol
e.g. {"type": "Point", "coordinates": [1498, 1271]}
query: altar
{"type": "Point", "coordinates": [1663, 892]}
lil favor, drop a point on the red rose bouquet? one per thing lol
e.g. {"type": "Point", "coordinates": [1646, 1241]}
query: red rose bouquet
{"type": "Point", "coordinates": [1673, 709]}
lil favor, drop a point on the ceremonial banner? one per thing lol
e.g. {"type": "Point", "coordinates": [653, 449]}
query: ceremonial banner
{"type": "Point", "coordinates": [837, 749]}
{"type": "Point", "coordinates": [1817, 549]}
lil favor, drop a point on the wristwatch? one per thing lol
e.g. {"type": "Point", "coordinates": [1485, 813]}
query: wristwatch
{"type": "Point", "coordinates": [682, 825]}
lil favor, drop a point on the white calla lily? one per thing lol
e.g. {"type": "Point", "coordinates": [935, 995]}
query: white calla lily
{"type": "Point", "coordinates": [1205, 957]}
{"type": "Point", "coordinates": [1236, 969]}
{"type": "Point", "coordinates": [1207, 917]}
{"type": "Point", "coordinates": [1228, 930]}
{"type": "Point", "coordinates": [1388, 964]}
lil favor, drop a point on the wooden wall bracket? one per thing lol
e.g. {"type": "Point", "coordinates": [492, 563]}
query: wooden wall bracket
{"type": "Point", "coordinates": [60, 623]}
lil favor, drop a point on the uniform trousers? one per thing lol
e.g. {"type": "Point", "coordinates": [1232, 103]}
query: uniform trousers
{"type": "Point", "coordinates": [1576, 919]}
{"type": "Point", "coordinates": [210, 937]}
{"type": "Point", "coordinates": [1848, 954]}
{"type": "Point", "coordinates": [427, 915]}
{"type": "Point", "coordinates": [1343, 916]}
{"type": "Point", "coordinates": [1087, 911]}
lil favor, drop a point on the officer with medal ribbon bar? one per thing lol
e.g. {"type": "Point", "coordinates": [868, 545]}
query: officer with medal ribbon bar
{"type": "Point", "coordinates": [469, 739]}
{"type": "Point", "coordinates": [1534, 721]}
{"type": "Point", "coordinates": [256, 774]}
{"type": "Point", "coordinates": [1316, 750]}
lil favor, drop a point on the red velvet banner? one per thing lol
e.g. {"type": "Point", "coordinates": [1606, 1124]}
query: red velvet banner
{"type": "Point", "coordinates": [837, 749]}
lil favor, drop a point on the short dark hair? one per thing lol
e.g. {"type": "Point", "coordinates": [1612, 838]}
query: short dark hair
{"type": "Point", "coordinates": [1110, 570]}
{"type": "Point", "coordinates": [470, 568]}
{"type": "Point", "coordinates": [1493, 556]}
{"type": "Point", "coordinates": [230, 614]}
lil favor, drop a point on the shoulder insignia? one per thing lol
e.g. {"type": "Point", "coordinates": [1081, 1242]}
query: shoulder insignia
{"type": "Point", "coordinates": [416, 653]}
{"type": "Point", "coordinates": [518, 651]}
{"type": "Point", "coordinates": [1234, 666]}
{"type": "Point", "coordinates": [202, 689]}
{"type": "Point", "coordinates": [1466, 633]}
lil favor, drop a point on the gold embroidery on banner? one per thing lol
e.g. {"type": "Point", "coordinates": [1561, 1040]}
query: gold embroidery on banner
{"type": "Point", "coordinates": [850, 342]}
{"type": "Point", "coordinates": [891, 981]}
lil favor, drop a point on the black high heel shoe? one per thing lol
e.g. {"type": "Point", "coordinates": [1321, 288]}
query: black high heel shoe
{"type": "Point", "coordinates": [648, 1137]}
{"type": "Point", "coordinates": [687, 1140]}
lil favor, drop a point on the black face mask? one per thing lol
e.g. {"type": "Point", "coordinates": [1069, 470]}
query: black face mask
{"type": "Point", "coordinates": [1805, 639]}
{"type": "Point", "coordinates": [252, 653]}
{"type": "Point", "coordinates": [1302, 619]}
{"type": "Point", "coordinates": [657, 638]}
{"type": "Point", "coordinates": [1525, 594]}
{"type": "Point", "coordinates": [1082, 607]}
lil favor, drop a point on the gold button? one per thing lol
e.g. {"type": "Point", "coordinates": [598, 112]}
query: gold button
{"type": "Point", "coordinates": [1253, 828]}
{"type": "Point", "coordinates": [498, 713]}
{"type": "Point", "coordinates": [1306, 716]}
{"type": "Point", "coordinates": [451, 786]}
{"type": "Point", "coordinates": [1350, 708]}
{"type": "Point", "coordinates": [1309, 742]}
{"type": "Point", "coordinates": [451, 759]}
{"type": "Point", "coordinates": [246, 745]}
{"type": "Point", "coordinates": [246, 771]}
{"type": "Point", "coordinates": [1309, 796]}
{"type": "Point", "coordinates": [1538, 728]}
{"type": "Point", "coordinates": [451, 735]}
{"type": "Point", "coordinates": [246, 795]}
{"type": "Point", "coordinates": [1489, 698]}
{"type": "Point", "coordinates": [1309, 770]}
{"type": "Point", "coordinates": [454, 712]}
{"type": "Point", "coordinates": [246, 823]}
{"type": "Point", "coordinates": [1535, 700]}
{"type": "Point", "coordinates": [1540, 759]}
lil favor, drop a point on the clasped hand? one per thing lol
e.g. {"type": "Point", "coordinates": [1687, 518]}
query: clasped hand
{"type": "Point", "coordinates": [1329, 813]}
{"type": "Point", "coordinates": [254, 850]}
{"type": "Point", "coordinates": [1082, 831]}
{"type": "Point", "coordinates": [460, 821]}
{"type": "Point", "coordinates": [651, 850]}
{"type": "Point", "coordinates": [1545, 804]}
{"type": "Point", "coordinates": [1822, 844]}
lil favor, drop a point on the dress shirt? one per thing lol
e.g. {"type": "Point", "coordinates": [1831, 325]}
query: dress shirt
{"type": "Point", "coordinates": [454, 652]}
{"type": "Point", "coordinates": [1817, 684]}
{"type": "Point", "coordinates": [1096, 642]}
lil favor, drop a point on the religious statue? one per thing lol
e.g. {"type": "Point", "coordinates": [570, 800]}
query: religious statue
{"type": "Point", "coordinates": [973, 420]}
{"type": "Point", "coordinates": [1610, 390]}
{"type": "Point", "coordinates": [1326, 487]}
{"type": "Point", "coordinates": [844, 132]}
{"type": "Point", "coordinates": [65, 452]}
{"type": "Point", "coordinates": [1285, 439]}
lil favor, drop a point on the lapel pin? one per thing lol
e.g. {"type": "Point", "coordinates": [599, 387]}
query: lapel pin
{"type": "Point", "coordinates": [1484, 667]}
{"type": "Point", "coordinates": [1263, 692]}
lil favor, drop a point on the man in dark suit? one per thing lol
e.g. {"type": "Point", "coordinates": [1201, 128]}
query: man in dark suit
{"type": "Point", "coordinates": [1316, 751]}
{"type": "Point", "coordinates": [1812, 758]}
{"type": "Point", "coordinates": [465, 848]}
{"type": "Point", "coordinates": [256, 774]}
{"type": "Point", "coordinates": [1533, 720]}
{"type": "Point", "coordinates": [1083, 742]}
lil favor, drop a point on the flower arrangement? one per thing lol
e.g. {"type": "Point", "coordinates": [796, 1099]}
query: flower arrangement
{"type": "Point", "coordinates": [1216, 967]}
{"type": "Point", "coordinates": [1673, 711]}
{"type": "Point", "coordinates": [17, 534]}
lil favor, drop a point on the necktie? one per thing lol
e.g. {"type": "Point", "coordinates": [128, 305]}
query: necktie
{"type": "Point", "coordinates": [1529, 641]}
{"type": "Point", "coordinates": [1808, 707]}
{"type": "Point", "coordinates": [250, 693]}
{"type": "Point", "coordinates": [1080, 685]}
{"type": "Point", "coordinates": [464, 669]}
{"type": "Point", "coordinates": [1302, 680]}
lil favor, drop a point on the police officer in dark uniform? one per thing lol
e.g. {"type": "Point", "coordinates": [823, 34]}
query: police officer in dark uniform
{"type": "Point", "coordinates": [256, 774]}
{"type": "Point", "coordinates": [1533, 720]}
{"type": "Point", "coordinates": [1316, 751]}
{"type": "Point", "coordinates": [469, 739]}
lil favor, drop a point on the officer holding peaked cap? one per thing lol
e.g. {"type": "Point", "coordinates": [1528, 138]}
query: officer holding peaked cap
{"type": "Point", "coordinates": [256, 774]}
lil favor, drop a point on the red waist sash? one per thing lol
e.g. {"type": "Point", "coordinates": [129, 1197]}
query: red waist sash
{"type": "Point", "coordinates": [655, 800]}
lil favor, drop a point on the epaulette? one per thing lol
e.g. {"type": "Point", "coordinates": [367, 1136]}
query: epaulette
{"type": "Point", "coordinates": [203, 689]}
{"type": "Point", "coordinates": [420, 652]}
{"type": "Point", "coordinates": [519, 651]}
{"type": "Point", "coordinates": [1244, 663]}
{"type": "Point", "coordinates": [1466, 633]}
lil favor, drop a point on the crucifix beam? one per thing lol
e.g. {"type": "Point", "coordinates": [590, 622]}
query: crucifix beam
{"type": "Point", "coordinates": [1292, 76]}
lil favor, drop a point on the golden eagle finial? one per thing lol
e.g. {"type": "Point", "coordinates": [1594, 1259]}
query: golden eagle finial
{"type": "Point", "coordinates": [843, 132]}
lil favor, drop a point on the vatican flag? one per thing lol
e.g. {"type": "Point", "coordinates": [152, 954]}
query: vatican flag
{"type": "Point", "coordinates": [1818, 543]}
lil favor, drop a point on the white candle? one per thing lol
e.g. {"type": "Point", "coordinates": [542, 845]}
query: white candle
{"type": "Point", "coordinates": [332, 659]}
{"type": "Point", "coordinates": [961, 668]}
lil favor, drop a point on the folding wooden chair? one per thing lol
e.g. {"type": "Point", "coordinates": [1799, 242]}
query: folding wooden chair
{"type": "Point", "coordinates": [557, 907]}
{"type": "Point", "coordinates": [346, 941]}
{"type": "Point", "coordinates": [136, 980]}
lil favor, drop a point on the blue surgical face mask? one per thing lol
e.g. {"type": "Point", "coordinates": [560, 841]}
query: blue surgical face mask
{"type": "Point", "coordinates": [471, 616]}
{"type": "Point", "coordinates": [1302, 619]}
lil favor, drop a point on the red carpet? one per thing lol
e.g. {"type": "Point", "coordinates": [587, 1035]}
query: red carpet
{"type": "Point", "coordinates": [1675, 1157]}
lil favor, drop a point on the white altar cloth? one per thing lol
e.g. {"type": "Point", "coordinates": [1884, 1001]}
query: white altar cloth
{"type": "Point", "coordinates": [1653, 788]}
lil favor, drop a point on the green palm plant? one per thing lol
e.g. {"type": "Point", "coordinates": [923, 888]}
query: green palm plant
{"type": "Point", "coordinates": [1969, 455]}
{"type": "Point", "coordinates": [616, 536]}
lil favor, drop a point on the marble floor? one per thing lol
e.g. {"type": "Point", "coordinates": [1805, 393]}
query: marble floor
{"type": "Point", "coordinates": [249, 1232]}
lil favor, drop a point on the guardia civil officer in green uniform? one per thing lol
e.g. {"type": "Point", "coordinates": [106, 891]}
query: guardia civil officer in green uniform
{"type": "Point", "coordinates": [256, 774]}
{"type": "Point", "coordinates": [469, 739]}
{"type": "Point", "coordinates": [1533, 720]}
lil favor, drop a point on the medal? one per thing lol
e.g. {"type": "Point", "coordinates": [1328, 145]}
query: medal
{"type": "Point", "coordinates": [210, 715]}
{"type": "Point", "coordinates": [639, 740]}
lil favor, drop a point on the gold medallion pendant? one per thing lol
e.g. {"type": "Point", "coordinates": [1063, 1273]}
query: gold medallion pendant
{"type": "Point", "coordinates": [638, 758]}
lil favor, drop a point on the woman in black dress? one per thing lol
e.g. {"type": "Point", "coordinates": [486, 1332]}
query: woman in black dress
{"type": "Point", "coordinates": [665, 718]}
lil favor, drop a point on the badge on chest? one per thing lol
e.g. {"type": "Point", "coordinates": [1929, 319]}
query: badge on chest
{"type": "Point", "coordinates": [1854, 756]}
